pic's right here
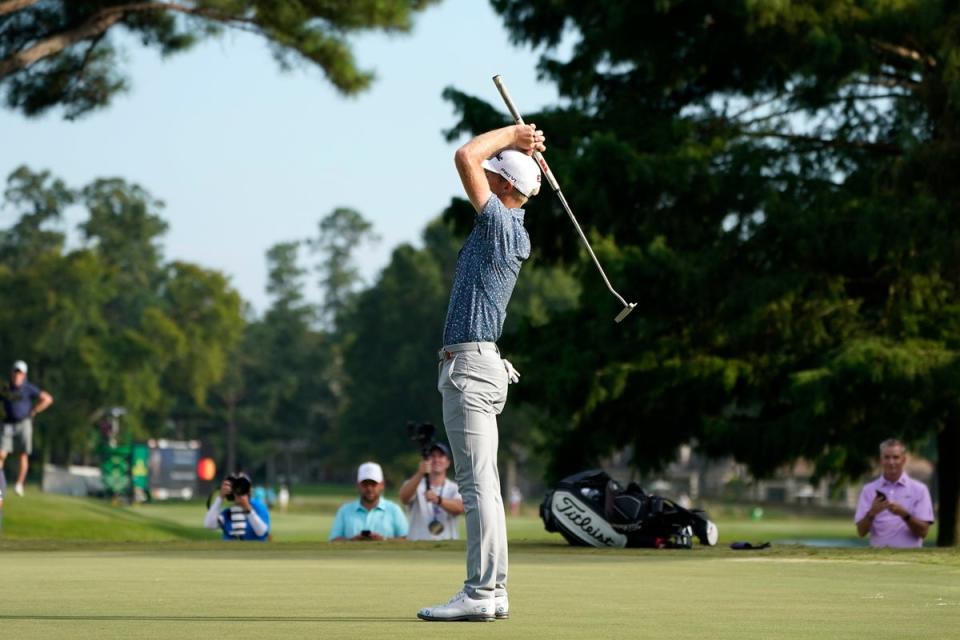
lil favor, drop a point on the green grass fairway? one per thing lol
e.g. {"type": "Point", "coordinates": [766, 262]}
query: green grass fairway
{"type": "Point", "coordinates": [201, 590]}
{"type": "Point", "coordinates": [52, 517]}
{"type": "Point", "coordinates": [82, 569]}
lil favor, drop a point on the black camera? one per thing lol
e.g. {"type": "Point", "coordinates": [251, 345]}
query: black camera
{"type": "Point", "coordinates": [422, 433]}
{"type": "Point", "coordinates": [240, 485]}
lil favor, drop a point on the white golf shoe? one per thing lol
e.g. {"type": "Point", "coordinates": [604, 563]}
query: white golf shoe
{"type": "Point", "coordinates": [460, 608]}
{"type": "Point", "coordinates": [18, 489]}
{"type": "Point", "coordinates": [502, 607]}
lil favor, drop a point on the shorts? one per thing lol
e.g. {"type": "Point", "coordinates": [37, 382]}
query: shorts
{"type": "Point", "coordinates": [18, 437]}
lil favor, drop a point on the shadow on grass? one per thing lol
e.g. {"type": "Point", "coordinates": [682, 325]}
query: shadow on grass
{"type": "Point", "coordinates": [239, 619]}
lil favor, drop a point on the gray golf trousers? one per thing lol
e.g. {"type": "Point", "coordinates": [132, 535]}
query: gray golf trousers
{"type": "Point", "coordinates": [473, 384]}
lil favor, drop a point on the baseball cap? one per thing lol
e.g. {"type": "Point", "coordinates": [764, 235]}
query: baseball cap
{"type": "Point", "coordinates": [442, 448]}
{"type": "Point", "coordinates": [518, 168]}
{"type": "Point", "coordinates": [370, 471]}
{"type": "Point", "coordinates": [19, 365]}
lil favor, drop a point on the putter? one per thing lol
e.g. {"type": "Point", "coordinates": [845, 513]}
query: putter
{"type": "Point", "coordinates": [627, 306]}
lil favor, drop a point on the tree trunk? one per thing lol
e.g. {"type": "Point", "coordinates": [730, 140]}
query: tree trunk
{"type": "Point", "coordinates": [231, 435]}
{"type": "Point", "coordinates": [948, 482]}
{"type": "Point", "coordinates": [58, 42]}
{"type": "Point", "coordinates": [97, 24]}
{"type": "Point", "coordinates": [511, 480]}
{"type": "Point", "coordinates": [14, 5]}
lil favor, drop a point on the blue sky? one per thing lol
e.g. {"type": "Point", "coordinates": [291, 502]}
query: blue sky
{"type": "Point", "coordinates": [245, 156]}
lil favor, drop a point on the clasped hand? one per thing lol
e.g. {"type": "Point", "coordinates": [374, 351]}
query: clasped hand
{"type": "Point", "coordinates": [879, 504]}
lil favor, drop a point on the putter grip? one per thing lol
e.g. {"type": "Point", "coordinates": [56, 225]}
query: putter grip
{"type": "Point", "coordinates": [502, 88]}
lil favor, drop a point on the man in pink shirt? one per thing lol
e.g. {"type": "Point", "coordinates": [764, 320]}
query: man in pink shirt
{"type": "Point", "coordinates": [894, 509]}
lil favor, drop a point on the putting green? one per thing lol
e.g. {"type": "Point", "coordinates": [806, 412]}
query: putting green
{"type": "Point", "coordinates": [198, 589]}
{"type": "Point", "coordinates": [78, 568]}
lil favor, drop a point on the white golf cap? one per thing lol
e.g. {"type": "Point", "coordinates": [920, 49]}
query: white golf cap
{"type": "Point", "coordinates": [517, 168]}
{"type": "Point", "coordinates": [19, 365]}
{"type": "Point", "coordinates": [370, 471]}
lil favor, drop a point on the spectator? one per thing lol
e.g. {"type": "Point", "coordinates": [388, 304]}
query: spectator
{"type": "Point", "coordinates": [247, 519]}
{"type": "Point", "coordinates": [371, 516]}
{"type": "Point", "coordinates": [433, 509]}
{"type": "Point", "coordinates": [516, 500]}
{"type": "Point", "coordinates": [894, 509]}
{"type": "Point", "coordinates": [18, 403]}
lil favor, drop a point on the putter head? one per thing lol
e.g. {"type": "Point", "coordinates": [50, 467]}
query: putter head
{"type": "Point", "coordinates": [626, 311]}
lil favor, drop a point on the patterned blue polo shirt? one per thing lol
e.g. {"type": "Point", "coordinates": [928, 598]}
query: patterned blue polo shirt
{"type": "Point", "coordinates": [487, 271]}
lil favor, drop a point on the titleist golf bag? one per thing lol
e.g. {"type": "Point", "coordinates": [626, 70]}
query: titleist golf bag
{"type": "Point", "coordinates": [591, 509]}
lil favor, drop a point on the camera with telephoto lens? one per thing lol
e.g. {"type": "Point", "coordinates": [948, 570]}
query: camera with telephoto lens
{"type": "Point", "coordinates": [422, 433]}
{"type": "Point", "coordinates": [240, 485]}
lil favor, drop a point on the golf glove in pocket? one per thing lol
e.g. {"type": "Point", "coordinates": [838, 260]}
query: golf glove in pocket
{"type": "Point", "coordinates": [512, 373]}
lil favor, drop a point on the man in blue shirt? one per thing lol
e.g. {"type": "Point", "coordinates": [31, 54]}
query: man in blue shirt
{"type": "Point", "coordinates": [22, 401]}
{"type": "Point", "coordinates": [246, 519]}
{"type": "Point", "coordinates": [498, 176]}
{"type": "Point", "coordinates": [371, 516]}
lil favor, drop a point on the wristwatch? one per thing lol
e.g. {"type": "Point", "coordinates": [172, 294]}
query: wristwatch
{"type": "Point", "coordinates": [906, 517]}
{"type": "Point", "coordinates": [439, 499]}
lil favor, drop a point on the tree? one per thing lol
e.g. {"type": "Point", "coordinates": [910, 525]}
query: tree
{"type": "Point", "coordinates": [774, 182]}
{"type": "Point", "coordinates": [110, 323]}
{"type": "Point", "coordinates": [280, 394]}
{"type": "Point", "coordinates": [124, 228]}
{"type": "Point", "coordinates": [341, 233]}
{"type": "Point", "coordinates": [60, 53]}
{"type": "Point", "coordinates": [41, 200]}
{"type": "Point", "coordinates": [395, 328]}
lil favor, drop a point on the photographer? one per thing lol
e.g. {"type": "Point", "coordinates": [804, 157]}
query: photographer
{"type": "Point", "coordinates": [246, 519]}
{"type": "Point", "coordinates": [433, 501]}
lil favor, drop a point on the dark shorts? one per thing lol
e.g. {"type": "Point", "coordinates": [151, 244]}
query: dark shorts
{"type": "Point", "coordinates": [18, 437]}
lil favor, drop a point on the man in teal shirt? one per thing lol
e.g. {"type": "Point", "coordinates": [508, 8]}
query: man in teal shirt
{"type": "Point", "coordinates": [370, 517]}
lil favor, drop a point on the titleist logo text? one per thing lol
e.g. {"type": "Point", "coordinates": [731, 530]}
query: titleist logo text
{"type": "Point", "coordinates": [578, 516]}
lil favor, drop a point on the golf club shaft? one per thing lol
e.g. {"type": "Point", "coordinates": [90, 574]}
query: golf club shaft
{"type": "Point", "coordinates": [497, 80]}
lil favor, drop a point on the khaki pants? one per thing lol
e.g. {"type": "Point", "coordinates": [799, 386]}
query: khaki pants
{"type": "Point", "coordinates": [473, 384]}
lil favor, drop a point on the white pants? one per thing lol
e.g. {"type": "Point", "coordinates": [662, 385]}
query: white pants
{"type": "Point", "coordinates": [473, 383]}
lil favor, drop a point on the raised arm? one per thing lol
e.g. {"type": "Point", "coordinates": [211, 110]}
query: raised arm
{"type": "Point", "coordinates": [211, 520]}
{"type": "Point", "coordinates": [409, 488]}
{"type": "Point", "coordinates": [523, 137]}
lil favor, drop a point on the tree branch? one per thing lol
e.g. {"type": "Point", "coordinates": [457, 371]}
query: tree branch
{"type": "Point", "coordinates": [82, 68]}
{"type": "Point", "coordinates": [97, 25]}
{"type": "Point", "coordinates": [787, 112]}
{"type": "Point", "coordinates": [15, 5]}
{"type": "Point", "coordinates": [756, 105]}
{"type": "Point", "coordinates": [876, 147]}
{"type": "Point", "coordinates": [903, 81]}
{"type": "Point", "coordinates": [874, 82]}
{"type": "Point", "coordinates": [905, 53]}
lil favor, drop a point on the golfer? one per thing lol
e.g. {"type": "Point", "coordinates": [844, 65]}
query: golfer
{"type": "Point", "coordinates": [499, 176]}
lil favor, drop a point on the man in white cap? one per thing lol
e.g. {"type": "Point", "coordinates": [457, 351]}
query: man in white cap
{"type": "Point", "coordinates": [371, 516]}
{"type": "Point", "coordinates": [22, 400]}
{"type": "Point", "coordinates": [499, 176]}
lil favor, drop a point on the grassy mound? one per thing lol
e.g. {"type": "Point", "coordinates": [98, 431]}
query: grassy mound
{"type": "Point", "coordinates": [40, 516]}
